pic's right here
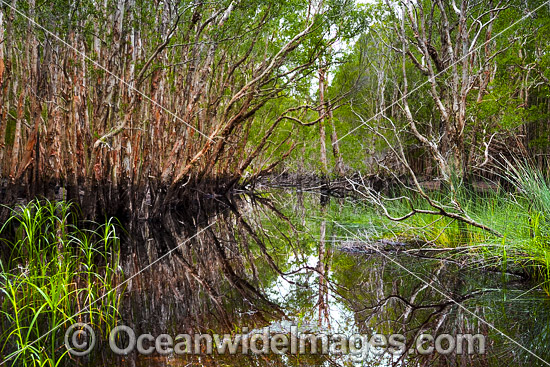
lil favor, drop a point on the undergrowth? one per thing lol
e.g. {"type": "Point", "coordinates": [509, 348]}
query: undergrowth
{"type": "Point", "coordinates": [55, 271]}
{"type": "Point", "coordinates": [521, 214]}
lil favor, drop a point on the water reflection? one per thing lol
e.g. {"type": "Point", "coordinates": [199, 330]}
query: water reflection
{"type": "Point", "coordinates": [293, 258]}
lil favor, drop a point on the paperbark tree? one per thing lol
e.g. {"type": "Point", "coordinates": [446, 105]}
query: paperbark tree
{"type": "Point", "coordinates": [323, 116]}
{"type": "Point", "coordinates": [125, 91]}
{"type": "Point", "coordinates": [451, 46]}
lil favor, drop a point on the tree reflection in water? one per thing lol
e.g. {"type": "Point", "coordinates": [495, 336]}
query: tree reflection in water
{"type": "Point", "coordinates": [279, 259]}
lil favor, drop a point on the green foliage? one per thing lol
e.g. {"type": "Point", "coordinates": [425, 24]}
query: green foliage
{"type": "Point", "coordinates": [521, 217]}
{"type": "Point", "coordinates": [55, 274]}
{"type": "Point", "coordinates": [514, 101]}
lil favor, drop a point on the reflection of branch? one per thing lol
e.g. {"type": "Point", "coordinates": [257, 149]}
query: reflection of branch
{"type": "Point", "coordinates": [415, 307]}
{"type": "Point", "coordinates": [247, 290]}
{"type": "Point", "coordinates": [208, 289]}
{"type": "Point", "coordinates": [260, 243]}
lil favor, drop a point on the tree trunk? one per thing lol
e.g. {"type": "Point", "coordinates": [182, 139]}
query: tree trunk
{"type": "Point", "coordinates": [322, 134]}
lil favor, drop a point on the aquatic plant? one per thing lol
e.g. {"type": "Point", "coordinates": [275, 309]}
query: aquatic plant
{"type": "Point", "coordinates": [518, 218]}
{"type": "Point", "coordinates": [56, 271]}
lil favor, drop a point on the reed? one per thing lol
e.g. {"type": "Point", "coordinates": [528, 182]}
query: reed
{"type": "Point", "coordinates": [58, 270]}
{"type": "Point", "coordinates": [521, 214]}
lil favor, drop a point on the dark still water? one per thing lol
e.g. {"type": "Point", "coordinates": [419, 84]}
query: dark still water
{"type": "Point", "coordinates": [274, 268]}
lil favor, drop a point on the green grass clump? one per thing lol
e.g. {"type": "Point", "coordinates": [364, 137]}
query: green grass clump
{"type": "Point", "coordinates": [53, 274]}
{"type": "Point", "coordinates": [521, 215]}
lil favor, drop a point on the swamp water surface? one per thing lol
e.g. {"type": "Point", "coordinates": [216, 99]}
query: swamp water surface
{"type": "Point", "coordinates": [291, 258]}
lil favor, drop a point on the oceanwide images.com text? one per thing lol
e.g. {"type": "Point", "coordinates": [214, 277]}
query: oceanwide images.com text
{"type": "Point", "coordinates": [80, 340]}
